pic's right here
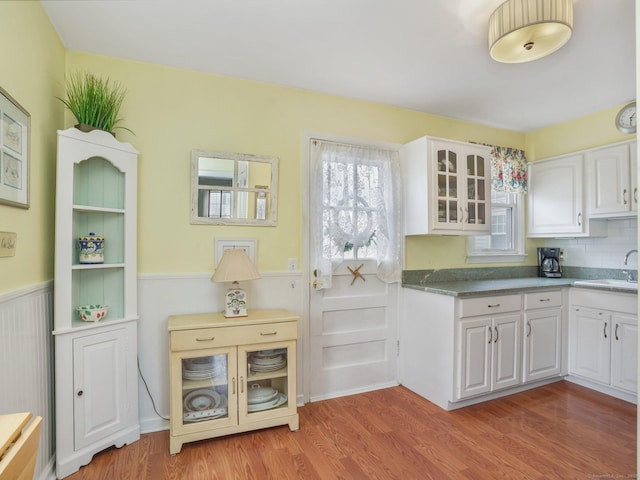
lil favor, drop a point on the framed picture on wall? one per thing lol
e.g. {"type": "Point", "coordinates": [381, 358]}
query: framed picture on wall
{"type": "Point", "coordinates": [15, 131]}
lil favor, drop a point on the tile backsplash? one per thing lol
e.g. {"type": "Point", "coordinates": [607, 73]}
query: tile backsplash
{"type": "Point", "coordinates": [606, 252]}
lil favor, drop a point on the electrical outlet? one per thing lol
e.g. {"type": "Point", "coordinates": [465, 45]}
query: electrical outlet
{"type": "Point", "coordinates": [292, 265]}
{"type": "Point", "coordinates": [563, 255]}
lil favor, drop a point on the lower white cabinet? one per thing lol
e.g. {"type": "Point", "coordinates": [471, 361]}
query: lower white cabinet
{"type": "Point", "coordinates": [542, 336]}
{"type": "Point", "coordinates": [489, 354]}
{"type": "Point", "coordinates": [96, 393]}
{"type": "Point", "coordinates": [455, 351]}
{"type": "Point", "coordinates": [603, 339]}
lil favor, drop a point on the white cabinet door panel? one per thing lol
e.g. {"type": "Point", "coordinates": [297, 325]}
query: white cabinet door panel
{"type": "Point", "coordinates": [506, 354]}
{"type": "Point", "coordinates": [100, 388]}
{"type": "Point", "coordinates": [542, 344]}
{"type": "Point", "coordinates": [624, 355]}
{"type": "Point", "coordinates": [590, 345]}
{"type": "Point", "coordinates": [474, 369]}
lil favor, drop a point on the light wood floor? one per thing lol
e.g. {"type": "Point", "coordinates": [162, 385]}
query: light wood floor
{"type": "Point", "coordinates": [557, 431]}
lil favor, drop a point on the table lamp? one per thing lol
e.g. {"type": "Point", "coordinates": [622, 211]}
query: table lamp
{"type": "Point", "coordinates": [235, 266]}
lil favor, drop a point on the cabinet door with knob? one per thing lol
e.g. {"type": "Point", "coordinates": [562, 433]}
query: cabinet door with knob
{"type": "Point", "coordinates": [590, 344]}
{"type": "Point", "coordinates": [624, 352]}
{"type": "Point", "coordinates": [542, 345]}
{"type": "Point", "coordinates": [104, 378]}
{"type": "Point", "coordinates": [613, 182]}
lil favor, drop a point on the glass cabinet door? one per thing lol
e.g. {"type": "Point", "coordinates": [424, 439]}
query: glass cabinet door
{"type": "Point", "coordinates": [268, 386]}
{"type": "Point", "coordinates": [476, 201]}
{"type": "Point", "coordinates": [447, 172]}
{"type": "Point", "coordinates": [207, 390]}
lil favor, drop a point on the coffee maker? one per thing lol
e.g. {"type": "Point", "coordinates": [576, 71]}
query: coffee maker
{"type": "Point", "coordinates": [549, 262]}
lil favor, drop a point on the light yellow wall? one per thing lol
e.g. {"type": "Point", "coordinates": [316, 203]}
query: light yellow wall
{"type": "Point", "coordinates": [579, 134]}
{"type": "Point", "coordinates": [173, 111]}
{"type": "Point", "coordinates": [32, 72]}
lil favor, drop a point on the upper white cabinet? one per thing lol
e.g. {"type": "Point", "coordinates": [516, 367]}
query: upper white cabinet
{"type": "Point", "coordinates": [612, 181]}
{"type": "Point", "coordinates": [447, 187]}
{"type": "Point", "coordinates": [556, 199]}
{"type": "Point", "coordinates": [95, 365]}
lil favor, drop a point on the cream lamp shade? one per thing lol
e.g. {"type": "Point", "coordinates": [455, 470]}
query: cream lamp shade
{"type": "Point", "coordinates": [525, 30]}
{"type": "Point", "coordinates": [235, 266]}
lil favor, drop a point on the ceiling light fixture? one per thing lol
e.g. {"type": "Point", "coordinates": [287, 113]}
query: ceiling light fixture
{"type": "Point", "coordinates": [525, 30]}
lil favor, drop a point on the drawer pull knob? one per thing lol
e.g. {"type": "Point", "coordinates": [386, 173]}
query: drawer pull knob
{"type": "Point", "coordinates": [493, 306]}
{"type": "Point", "coordinates": [210, 339]}
{"type": "Point", "coordinates": [545, 299]}
{"type": "Point", "coordinates": [268, 334]}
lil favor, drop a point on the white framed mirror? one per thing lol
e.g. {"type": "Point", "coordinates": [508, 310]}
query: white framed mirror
{"type": "Point", "coordinates": [233, 188]}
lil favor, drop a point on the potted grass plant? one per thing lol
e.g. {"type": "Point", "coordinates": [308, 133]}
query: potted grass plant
{"type": "Point", "coordinates": [94, 101]}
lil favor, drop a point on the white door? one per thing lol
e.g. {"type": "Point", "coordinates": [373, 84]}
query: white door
{"type": "Point", "coordinates": [353, 321]}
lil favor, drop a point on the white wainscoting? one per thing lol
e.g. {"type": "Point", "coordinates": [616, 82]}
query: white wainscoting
{"type": "Point", "coordinates": [26, 363]}
{"type": "Point", "coordinates": [160, 296]}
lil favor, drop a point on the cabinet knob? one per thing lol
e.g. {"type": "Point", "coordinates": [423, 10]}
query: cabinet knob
{"type": "Point", "coordinates": [80, 393]}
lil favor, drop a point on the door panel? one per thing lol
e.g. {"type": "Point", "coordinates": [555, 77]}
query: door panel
{"type": "Point", "coordinates": [353, 333]}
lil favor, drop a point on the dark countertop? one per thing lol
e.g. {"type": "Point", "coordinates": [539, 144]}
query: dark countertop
{"type": "Point", "coordinates": [469, 288]}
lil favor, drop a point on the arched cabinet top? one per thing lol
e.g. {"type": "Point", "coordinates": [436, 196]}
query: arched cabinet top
{"type": "Point", "coordinates": [96, 143]}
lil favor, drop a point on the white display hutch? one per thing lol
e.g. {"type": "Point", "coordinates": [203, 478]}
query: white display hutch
{"type": "Point", "coordinates": [96, 374]}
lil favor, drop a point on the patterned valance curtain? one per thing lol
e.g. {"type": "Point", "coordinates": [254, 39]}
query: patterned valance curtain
{"type": "Point", "coordinates": [508, 170]}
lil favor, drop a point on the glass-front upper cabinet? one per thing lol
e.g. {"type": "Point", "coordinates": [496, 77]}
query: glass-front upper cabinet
{"type": "Point", "coordinates": [233, 188]}
{"type": "Point", "coordinates": [447, 187]}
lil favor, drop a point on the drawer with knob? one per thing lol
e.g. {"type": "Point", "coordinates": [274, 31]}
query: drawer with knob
{"type": "Point", "coordinates": [472, 307]}
{"type": "Point", "coordinates": [241, 335]}
{"type": "Point", "coordinates": [544, 299]}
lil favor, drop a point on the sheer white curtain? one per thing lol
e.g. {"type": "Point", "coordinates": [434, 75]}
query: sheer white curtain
{"type": "Point", "coordinates": [356, 208]}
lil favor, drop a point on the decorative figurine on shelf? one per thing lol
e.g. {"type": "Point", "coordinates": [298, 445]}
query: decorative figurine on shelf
{"type": "Point", "coordinates": [91, 249]}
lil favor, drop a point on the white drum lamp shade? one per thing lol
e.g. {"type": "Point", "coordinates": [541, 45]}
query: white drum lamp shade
{"type": "Point", "coordinates": [525, 30]}
{"type": "Point", "coordinates": [235, 266]}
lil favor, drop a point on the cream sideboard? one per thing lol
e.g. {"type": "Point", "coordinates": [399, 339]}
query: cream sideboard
{"type": "Point", "coordinates": [217, 364]}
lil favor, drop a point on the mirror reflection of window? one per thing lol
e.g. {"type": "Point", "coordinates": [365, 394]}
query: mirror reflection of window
{"type": "Point", "coordinates": [233, 188]}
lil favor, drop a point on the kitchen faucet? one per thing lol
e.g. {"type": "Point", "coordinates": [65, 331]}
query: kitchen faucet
{"type": "Point", "coordinates": [626, 257]}
{"type": "Point", "coordinates": [626, 272]}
